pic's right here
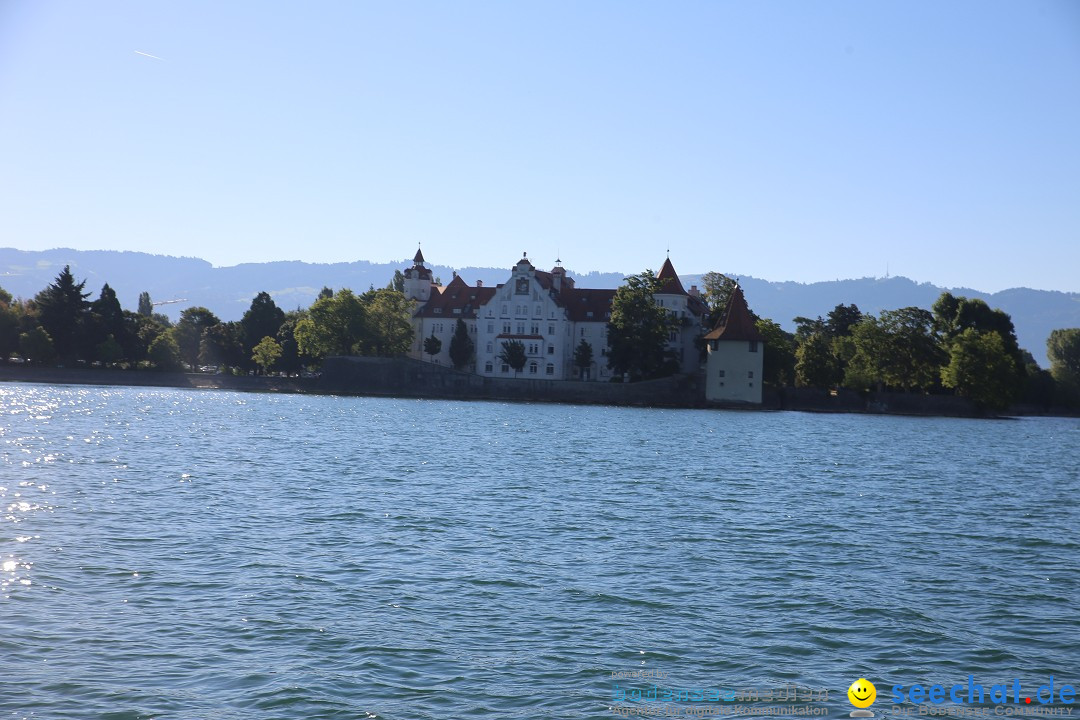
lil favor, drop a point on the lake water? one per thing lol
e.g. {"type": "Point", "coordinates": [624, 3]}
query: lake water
{"type": "Point", "coordinates": [204, 554]}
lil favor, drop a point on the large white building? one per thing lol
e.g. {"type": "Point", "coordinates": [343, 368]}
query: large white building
{"type": "Point", "coordinates": [547, 313]}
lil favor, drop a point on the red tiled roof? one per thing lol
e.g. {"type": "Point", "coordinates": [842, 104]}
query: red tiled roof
{"type": "Point", "coordinates": [737, 323]}
{"type": "Point", "coordinates": [672, 284]}
{"type": "Point", "coordinates": [456, 296]}
{"type": "Point", "coordinates": [579, 302]}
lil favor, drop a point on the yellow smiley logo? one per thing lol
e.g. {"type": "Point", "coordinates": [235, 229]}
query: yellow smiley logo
{"type": "Point", "coordinates": [862, 693]}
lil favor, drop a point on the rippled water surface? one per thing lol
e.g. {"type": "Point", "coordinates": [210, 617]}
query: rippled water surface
{"type": "Point", "coordinates": [202, 554]}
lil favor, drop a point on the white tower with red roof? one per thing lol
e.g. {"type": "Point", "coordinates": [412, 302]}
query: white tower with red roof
{"type": "Point", "coordinates": [736, 348]}
{"type": "Point", "coordinates": [418, 279]}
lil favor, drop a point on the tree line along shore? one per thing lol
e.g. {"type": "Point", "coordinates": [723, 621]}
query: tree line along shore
{"type": "Point", "coordinates": [960, 346]}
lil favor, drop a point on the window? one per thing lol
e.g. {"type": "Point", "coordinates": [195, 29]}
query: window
{"type": "Point", "coordinates": [490, 349]}
{"type": "Point", "coordinates": [506, 328]}
{"type": "Point", "coordinates": [491, 327]}
{"type": "Point", "coordinates": [534, 329]}
{"type": "Point", "coordinates": [550, 369]}
{"type": "Point", "coordinates": [551, 349]}
{"type": "Point", "coordinates": [551, 329]}
{"type": "Point", "coordinates": [521, 328]}
{"type": "Point", "coordinates": [582, 332]}
{"type": "Point", "coordinates": [750, 375]}
{"type": "Point", "coordinates": [673, 336]}
{"type": "Point", "coordinates": [751, 384]}
{"type": "Point", "coordinates": [504, 309]}
{"type": "Point", "coordinates": [438, 311]}
{"type": "Point", "coordinates": [588, 314]}
{"type": "Point", "coordinates": [505, 368]}
{"type": "Point", "coordinates": [753, 346]}
{"type": "Point", "coordinates": [721, 373]}
{"type": "Point", "coordinates": [532, 368]}
{"type": "Point", "coordinates": [457, 311]}
{"type": "Point", "coordinates": [539, 311]}
{"type": "Point", "coordinates": [487, 366]}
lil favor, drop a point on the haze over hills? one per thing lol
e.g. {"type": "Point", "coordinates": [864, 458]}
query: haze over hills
{"type": "Point", "coordinates": [228, 291]}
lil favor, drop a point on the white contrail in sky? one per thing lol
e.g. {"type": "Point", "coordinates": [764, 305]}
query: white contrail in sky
{"type": "Point", "coordinates": [140, 52]}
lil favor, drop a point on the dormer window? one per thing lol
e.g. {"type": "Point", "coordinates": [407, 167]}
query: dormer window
{"type": "Point", "coordinates": [438, 311]}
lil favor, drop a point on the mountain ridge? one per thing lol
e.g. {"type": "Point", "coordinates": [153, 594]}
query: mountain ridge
{"type": "Point", "coordinates": [228, 290]}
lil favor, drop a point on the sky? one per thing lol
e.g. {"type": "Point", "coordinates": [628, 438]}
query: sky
{"type": "Point", "coordinates": [782, 140]}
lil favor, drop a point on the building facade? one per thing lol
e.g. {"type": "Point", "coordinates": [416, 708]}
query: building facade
{"type": "Point", "coordinates": [547, 313]}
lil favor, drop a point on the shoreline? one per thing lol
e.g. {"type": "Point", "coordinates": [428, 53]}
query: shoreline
{"type": "Point", "coordinates": [673, 393]}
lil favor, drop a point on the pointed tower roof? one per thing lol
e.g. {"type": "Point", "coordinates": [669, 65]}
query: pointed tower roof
{"type": "Point", "coordinates": [737, 323]}
{"type": "Point", "coordinates": [419, 257]}
{"type": "Point", "coordinates": [672, 284]}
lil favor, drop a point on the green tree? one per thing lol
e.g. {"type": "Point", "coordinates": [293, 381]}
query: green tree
{"type": "Point", "coordinates": [146, 329]}
{"type": "Point", "coordinates": [805, 327]}
{"type": "Point", "coordinates": [146, 308]}
{"type": "Point", "coordinates": [513, 354]}
{"type": "Point", "coordinates": [262, 319]}
{"type": "Point", "coordinates": [106, 321]}
{"type": "Point", "coordinates": [638, 329]}
{"type": "Point", "coordinates": [432, 345]}
{"type": "Point", "coordinates": [815, 364]}
{"type": "Point", "coordinates": [190, 331]}
{"type": "Point", "coordinates": [841, 319]}
{"type": "Point", "coordinates": [461, 346]}
{"type": "Point", "coordinates": [266, 353]}
{"type": "Point", "coordinates": [387, 327]}
{"type": "Point", "coordinates": [716, 289]}
{"type": "Point", "coordinates": [778, 360]}
{"type": "Point", "coordinates": [913, 358]}
{"type": "Point", "coordinates": [865, 353]}
{"type": "Point", "coordinates": [36, 346]}
{"type": "Point", "coordinates": [953, 315]}
{"type": "Point", "coordinates": [164, 353]}
{"type": "Point", "coordinates": [109, 351]}
{"type": "Point", "coordinates": [333, 325]}
{"type": "Point", "coordinates": [223, 344]}
{"type": "Point", "coordinates": [398, 283]}
{"type": "Point", "coordinates": [1040, 388]}
{"type": "Point", "coordinates": [982, 369]}
{"type": "Point", "coordinates": [583, 357]}
{"type": "Point", "coordinates": [291, 361]}
{"type": "Point", "coordinates": [1063, 350]}
{"type": "Point", "coordinates": [62, 310]}
{"type": "Point", "coordinates": [9, 329]}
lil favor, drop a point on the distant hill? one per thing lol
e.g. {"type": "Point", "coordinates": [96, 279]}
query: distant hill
{"type": "Point", "coordinates": [228, 291]}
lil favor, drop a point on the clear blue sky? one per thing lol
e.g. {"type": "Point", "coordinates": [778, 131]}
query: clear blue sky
{"type": "Point", "coordinates": [786, 140]}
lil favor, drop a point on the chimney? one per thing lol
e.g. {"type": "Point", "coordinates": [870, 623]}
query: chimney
{"type": "Point", "coordinates": [694, 291]}
{"type": "Point", "coordinates": [479, 283]}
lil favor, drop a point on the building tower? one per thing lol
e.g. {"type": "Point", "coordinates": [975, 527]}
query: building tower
{"type": "Point", "coordinates": [735, 347]}
{"type": "Point", "coordinates": [418, 279]}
